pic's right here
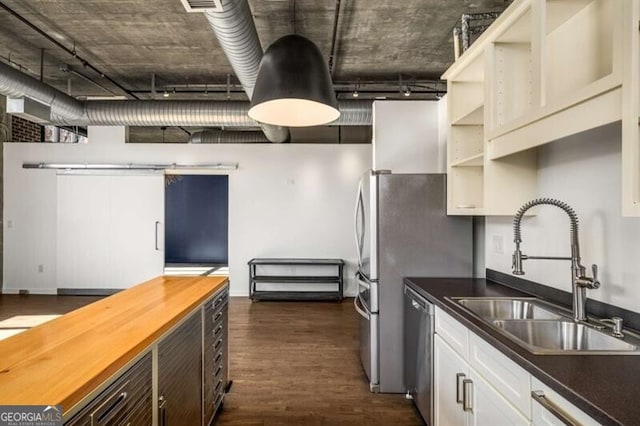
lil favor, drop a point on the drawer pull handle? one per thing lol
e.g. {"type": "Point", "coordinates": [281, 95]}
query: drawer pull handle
{"type": "Point", "coordinates": [217, 371]}
{"type": "Point", "coordinates": [218, 385]}
{"type": "Point", "coordinates": [554, 409]}
{"type": "Point", "coordinates": [218, 330]}
{"type": "Point", "coordinates": [467, 397]}
{"type": "Point", "coordinates": [218, 315]}
{"type": "Point", "coordinates": [218, 344]}
{"type": "Point", "coordinates": [459, 387]}
{"type": "Point", "coordinates": [217, 401]}
{"type": "Point", "coordinates": [109, 408]}
{"type": "Point", "coordinates": [218, 357]}
{"type": "Point", "coordinates": [162, 411]}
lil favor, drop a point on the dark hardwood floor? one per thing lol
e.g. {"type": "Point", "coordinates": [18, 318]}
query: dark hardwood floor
{"type": "Point", "coordinates": [298, 364]}
{"type": "Point", "coordinates": [291, 363]}
{"type": "Point", "coordinates": [36, 304]}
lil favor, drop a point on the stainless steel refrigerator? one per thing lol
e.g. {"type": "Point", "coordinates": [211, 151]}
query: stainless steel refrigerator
{"type": "Point", "coordinates": [401, 230]}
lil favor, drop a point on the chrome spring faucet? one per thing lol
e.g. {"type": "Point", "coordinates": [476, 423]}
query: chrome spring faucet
{"type": "Point", "coordinates": [579, 281]}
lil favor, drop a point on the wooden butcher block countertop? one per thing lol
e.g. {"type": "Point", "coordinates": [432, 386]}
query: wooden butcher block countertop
{"type": "Point", "coordinates": [63, 360]}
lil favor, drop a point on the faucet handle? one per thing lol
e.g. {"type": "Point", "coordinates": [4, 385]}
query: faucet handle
{"type": "Point", "coordinates": [595, 283]}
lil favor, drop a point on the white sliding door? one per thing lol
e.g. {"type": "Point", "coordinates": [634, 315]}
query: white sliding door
{"type": "Point", "coordinates": [110, 230]}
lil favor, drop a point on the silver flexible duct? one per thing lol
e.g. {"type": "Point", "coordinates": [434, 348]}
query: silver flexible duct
{"type": "Point", "coordinates": [199, 113]}
{"type": "Point", "coordinates": [236, 33]}
{"type": "Point", "coordinates": [221, 136]}
{"type": "Point", "coordinates": [354, 113]}
{"type": "Point", "coordinates": [169, 113]}
{"type": "Point", "coordinates": [15, 84]}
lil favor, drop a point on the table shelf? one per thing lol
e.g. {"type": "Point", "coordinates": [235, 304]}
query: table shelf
{"type": "Point", "coordinates": [335, 280]}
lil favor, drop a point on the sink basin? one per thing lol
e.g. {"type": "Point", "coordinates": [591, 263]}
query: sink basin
{"type": "Point", "coordinates": [563, 337]}
{"type": "Point", "coordinates": [543, 328]}
{"type": "Point", "coordinates": [509, 308]}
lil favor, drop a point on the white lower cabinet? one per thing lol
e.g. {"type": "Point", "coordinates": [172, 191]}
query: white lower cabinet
{"type": "Point", "coordinates": [477, 385]}
{"type": "Point", "coordinates": [450, 371]}
{"type": "Point", "coordinates": [464, 398]}
{"type": "Point", "coordinates": [490, 408]}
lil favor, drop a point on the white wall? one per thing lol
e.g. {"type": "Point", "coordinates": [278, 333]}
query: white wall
{"type": "Point", "coordinates": [584, 171]}
{"type": "Point", "coordinates": [284, 200]}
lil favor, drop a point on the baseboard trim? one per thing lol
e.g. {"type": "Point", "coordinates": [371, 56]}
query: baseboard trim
{"type": "Point", "coordinates": [87, 291]}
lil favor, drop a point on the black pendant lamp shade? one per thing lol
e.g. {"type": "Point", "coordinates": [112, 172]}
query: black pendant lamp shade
{"type": "Point", "coordinates": [293, 87]}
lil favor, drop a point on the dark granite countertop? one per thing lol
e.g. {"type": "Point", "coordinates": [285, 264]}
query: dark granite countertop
{"type": "Point", "coordinates": [603, 386]}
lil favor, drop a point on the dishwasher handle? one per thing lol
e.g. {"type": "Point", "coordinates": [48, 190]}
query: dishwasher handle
{"type": "Point", "coordinates": [417, 301]}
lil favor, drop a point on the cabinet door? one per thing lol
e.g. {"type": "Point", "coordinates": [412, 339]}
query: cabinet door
{"type": "Point", "coordinates": [110, 230]}
{"type": "Point", "coordinates": [489, 408]}
{"type": "Point", "coordinates": [450, 370]}
{"type": "Point", "coordinates": [180, 374]}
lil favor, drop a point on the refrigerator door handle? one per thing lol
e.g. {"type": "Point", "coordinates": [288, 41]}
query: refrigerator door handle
{"type": "Point", "coordinates": [361, 282]}
{"type": "Point", "coordinates": [359, 310]}
{"type": "Point", "coordinates": [359, 213]}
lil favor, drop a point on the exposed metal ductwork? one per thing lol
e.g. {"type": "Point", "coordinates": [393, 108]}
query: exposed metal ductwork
{"type": "Point", "coordinates": [221, 136]}
{"type": "Point", "coordinates": [200, 113]}
{"type": "Point", "coordinates": [236, 32]}
{"type": "Point", "coordinates": [64, 109]}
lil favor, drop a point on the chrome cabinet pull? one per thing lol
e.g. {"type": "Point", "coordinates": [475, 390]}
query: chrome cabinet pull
{"type": "Point", "coordinates": [162, 411]}
{"type": "Point", "coordinates": [554, 409]}
{"type": "Point", "coordinates": [459, 387]}
{"type": "Point", "coordinates": [467, 395]}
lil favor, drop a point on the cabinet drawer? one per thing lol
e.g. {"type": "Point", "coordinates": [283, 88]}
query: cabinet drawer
{"type": "Point", "coordinates": [220, 300]}
{"type": "Point", "coordinates": [452, 332]}
{"type": "Point", "coordinates": [126, 401]}
{"type": "Point", "coordinates": [508, 378]}
{"type": "Point", "coordinates": [549, 400]}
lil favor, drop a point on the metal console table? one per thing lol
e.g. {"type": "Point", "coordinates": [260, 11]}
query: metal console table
{"type": "Point", "coordinates": [337, 265]}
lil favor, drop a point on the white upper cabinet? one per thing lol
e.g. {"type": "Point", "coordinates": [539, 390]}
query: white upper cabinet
{"type": "Point", "coordinates": [544, 70]}
{"type": "Point", "coordinates": [406, 138]}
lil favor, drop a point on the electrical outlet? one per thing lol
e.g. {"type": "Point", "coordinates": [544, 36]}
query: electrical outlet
{"type": "Point", "coordinates": [40, 268]}
{"type": "Point", "coordinates": [290, 181]}
{"type": "Point", "coordinates": [498, 244]}
{"type": "Point", "coordinates": [9, 224]}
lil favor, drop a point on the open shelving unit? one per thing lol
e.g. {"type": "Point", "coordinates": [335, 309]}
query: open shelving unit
{"type": "Point", "coordinates": [465, 149]}
{"type": "Point", "coordinates": [548, 69]}
{"type": "Point", "coordinates": [295, 273]}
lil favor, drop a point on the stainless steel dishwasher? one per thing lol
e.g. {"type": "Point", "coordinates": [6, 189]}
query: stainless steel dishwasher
{"type": "Point", "coordinates": [418, 352]}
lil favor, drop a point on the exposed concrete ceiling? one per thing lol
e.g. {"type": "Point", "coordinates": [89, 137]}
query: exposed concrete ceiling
{"type": "Point", "coordinates": [377, 43]}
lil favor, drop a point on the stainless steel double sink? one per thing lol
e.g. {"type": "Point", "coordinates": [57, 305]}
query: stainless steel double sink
{"type": "Point", "coordinates": [543, 328]}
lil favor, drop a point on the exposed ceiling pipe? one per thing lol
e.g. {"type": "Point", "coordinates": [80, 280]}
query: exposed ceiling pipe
{"type": "Point", "coordinates": [334, 37]}
{"type": "Point", "coordinates": [68, 111]}
{"type": "Point", "coordinates": [236, 32]}
{"type": "Point", "coordinates": [221, 136]}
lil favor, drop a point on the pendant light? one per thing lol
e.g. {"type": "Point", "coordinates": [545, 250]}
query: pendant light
{"type": "Point", "coordinates": [293, 87]}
